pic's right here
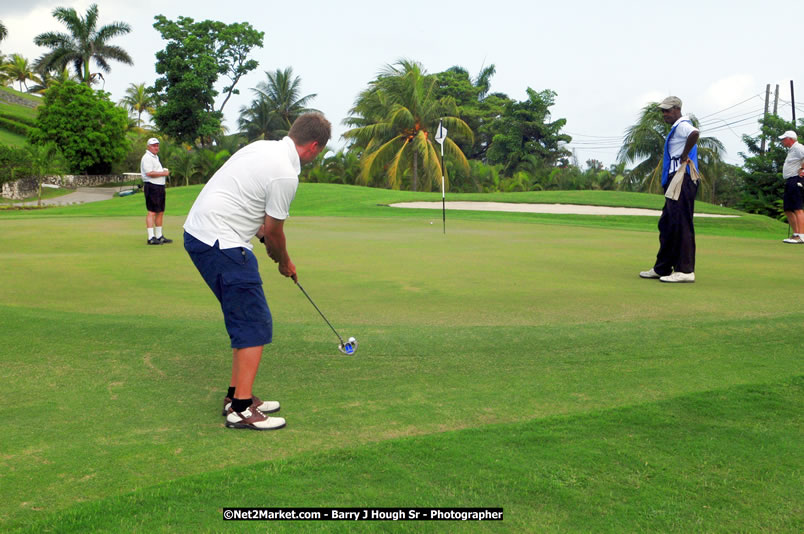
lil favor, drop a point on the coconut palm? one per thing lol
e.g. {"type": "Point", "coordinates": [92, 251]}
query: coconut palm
{"type": "Point", "coordinates": [3, 31]}
{"type": "Point", "coordinates": [184, 164]}
{"type": "Point", "coordinates": [18, 69]}
{"type": "Point", "coordinates": [83, 43]}
{"type": "Point", "coordinates": [395, 120]}
{"type": "Point", "coordinates": [644, 143]}
{"type": "Point", "coordinates": [257, 120]}
{"type": "Point", "coordinates": [138, 100]}
{"type": "Point", "coordinates": [49, 78]}
{"type": "Point", "coordinates": [278, 104]}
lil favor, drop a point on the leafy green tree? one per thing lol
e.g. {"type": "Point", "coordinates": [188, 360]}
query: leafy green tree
{"type": "Point", "coordinates": [84, 42]}
{"type": "Point", "coordinates": [278, 104]}
{"type": "Point", "coordinates": [763, 183]}
{"type": "Point", "coordinates": [85, 125]}
{"type": "Point", "coordinates": [196, 54]}
{"type": "Point", "coordinates": [235, 42]}
{"type": "Point", "coordinates": [479, 109]}
{"type": "Point", "coordinates": [138, 100]}
{"type": "Point", "coordinates": [395, 121]}
{"type": "Point", "coordinates": [644, 143]}
{"type": "Point", "coordinates": [46, 160]}
{"type": "Point", "coordinates": [15, 163]}
{"type": "Point", "coordinates": [18, 69]}
{"type": "Point", "coordinates": [3, 31]}
{"type": "Point", "coordinates": [524, 130]}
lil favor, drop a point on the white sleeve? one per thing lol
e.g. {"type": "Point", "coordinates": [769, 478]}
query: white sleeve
{"type": "Point", "coordinates": [281, 193]}
{"type": "Point", "coordinates": [799, 154]}
{"type": "Point", "coordinates": [685, 128]}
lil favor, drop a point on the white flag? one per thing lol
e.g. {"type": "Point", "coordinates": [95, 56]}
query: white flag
{"type": "Point", "coordinates": [441, 133]}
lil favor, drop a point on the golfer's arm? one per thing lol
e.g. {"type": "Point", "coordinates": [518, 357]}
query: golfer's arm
{"type": "Point", "coordinates": [691, 140]}
{"type": "Point", "coordinates": [274, 235]}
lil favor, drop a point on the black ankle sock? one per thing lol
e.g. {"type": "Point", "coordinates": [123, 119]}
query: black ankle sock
{"type": "Point", "coordinates": [230, 393]}
{"type": "Point", "coordinates": [239, 405]}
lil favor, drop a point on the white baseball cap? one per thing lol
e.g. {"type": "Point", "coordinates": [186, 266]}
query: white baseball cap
{"type": "Point", "coordinates": [153, 141]}
{"type": "Point", "coordinates": [789, 134]}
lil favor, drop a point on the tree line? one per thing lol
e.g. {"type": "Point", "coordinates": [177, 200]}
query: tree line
{"type": "Point", "coordinates": [494, 142]}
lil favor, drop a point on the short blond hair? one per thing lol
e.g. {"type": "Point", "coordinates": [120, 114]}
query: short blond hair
{"type": "Point", "coordinates": [310, 127]}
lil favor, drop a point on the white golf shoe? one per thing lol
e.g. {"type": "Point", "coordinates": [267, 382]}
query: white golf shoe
{"type": "Point", "coordinates": [677, 278]}
{"type": "Point", "coordinates": [648, 274]}
{"type": "Point", "coordinates": [256, 402]}
{"type": "Point", "coordinates": [253, 419]}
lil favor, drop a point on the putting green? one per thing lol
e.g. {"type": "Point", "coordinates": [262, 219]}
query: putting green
{"type": "Point", "coordinates": [119, 351]}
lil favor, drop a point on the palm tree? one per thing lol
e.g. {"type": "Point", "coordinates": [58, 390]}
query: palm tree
{"type": "Point", "coordinates": [257, 121]}
{"type": "Point", "coordinates": [83, 43]}
{"type": "Point", "coordinates": [277, 105]}
{"type": "Point", "coordinates": [18, 69]}
{"type": "Point", "coordinates": [184, 164]}
{"type": "Point", "coordinates": [49, 78]}
{"type": "Point", "coordinates": [3, 31]}
{"type": "Point", "coordinates": [139, 100]}
{"type": "Point", "coordinates": [644, 142]}
{"type": "Point", "coordinates": [395, 120]}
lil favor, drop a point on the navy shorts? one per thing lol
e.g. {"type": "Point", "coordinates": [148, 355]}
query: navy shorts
{"type": "Point", "coordinates": [792, 194]}
{"type": "Point", "coordinates": [233, 275]}
{"type": "Point", "coordinates": [154, 197]}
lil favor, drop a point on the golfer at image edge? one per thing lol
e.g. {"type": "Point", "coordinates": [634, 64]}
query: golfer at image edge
{"type": "Point", "coordinates": [250, 196]}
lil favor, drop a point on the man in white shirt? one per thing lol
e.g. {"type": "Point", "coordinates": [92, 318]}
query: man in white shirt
{"type": "Point", "coordinates": [675, 261]}
{"type": "Point", "coordinates": [153, 176]}
{"type": "Point", "coordinates": [792, 172]}
{"type": "Point", "coordinates": [250, 196]}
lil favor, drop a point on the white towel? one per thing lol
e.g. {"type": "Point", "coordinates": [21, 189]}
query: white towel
{"type": "Point", "coordinates": [674, 189]}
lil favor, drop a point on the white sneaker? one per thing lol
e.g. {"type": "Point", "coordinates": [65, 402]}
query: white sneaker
{"type": "Point", "coordinates": [795, 240]}
{"type": "Point", "coordinates": [676, 278]}
{"type": "Point", "coordinates": [253, 419]}
{"type": "Point", "coordinates": [648, 274]}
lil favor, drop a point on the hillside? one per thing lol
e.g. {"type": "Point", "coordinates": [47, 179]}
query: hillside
{"type": "Point", "coordinates": [17, 115]}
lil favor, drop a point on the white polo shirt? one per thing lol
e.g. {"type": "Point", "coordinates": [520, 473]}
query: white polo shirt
{"type": "Point", "coordinates": [149, 163]}
{"type": "Point", "coordinates": [258, 179]}
{"type": "Point", "coordinates": [793, 161]}
{"type": "Point", "coordinates": [683, 130]}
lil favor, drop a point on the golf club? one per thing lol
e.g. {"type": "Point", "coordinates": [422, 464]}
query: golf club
{"type": "Point", "coordinates": [346, 347]}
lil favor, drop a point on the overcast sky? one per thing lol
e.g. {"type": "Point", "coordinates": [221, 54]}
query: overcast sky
{"type": "Point", "coordinates": [605, 60]}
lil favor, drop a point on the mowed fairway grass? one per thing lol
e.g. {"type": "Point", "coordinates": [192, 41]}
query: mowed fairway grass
{"type": "Point", "coordinates": [517, 361]}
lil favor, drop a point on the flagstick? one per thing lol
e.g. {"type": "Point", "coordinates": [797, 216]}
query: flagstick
{"type": "Point", "coordinates": [440, 137]}
{"type": "Point", "coordinates": [443, 198]}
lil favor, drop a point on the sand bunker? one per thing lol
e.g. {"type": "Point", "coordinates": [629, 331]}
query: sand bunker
{"type": "Point", "coordinates": [571, 209]}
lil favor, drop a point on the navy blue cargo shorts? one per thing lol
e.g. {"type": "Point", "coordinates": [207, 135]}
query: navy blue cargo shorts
{"type": "Point", "coordinates": [233, 275]}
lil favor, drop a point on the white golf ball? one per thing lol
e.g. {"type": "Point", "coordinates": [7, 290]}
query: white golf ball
{"type": "Point", "coordinates": [352, 340]}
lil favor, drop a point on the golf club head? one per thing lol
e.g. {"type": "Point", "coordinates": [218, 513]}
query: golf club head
{"type": "Point", "coordinates": [349, 347]}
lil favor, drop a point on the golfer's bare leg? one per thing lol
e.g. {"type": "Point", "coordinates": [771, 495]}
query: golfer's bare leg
{"type": "Point", "coordinates": [150, 219]}
{"type": "Point", "coordinates": [158, 218]}
{"type": "Point", "coordinates": [799, 217]}
{"type": "Point", "coordinates": [245, 363]}
{"type": "Point", "coordinates": [792, 221]}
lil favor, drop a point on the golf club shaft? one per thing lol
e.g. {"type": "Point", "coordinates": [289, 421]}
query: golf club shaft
{"type": "Point", "coordinates": [319, 312]}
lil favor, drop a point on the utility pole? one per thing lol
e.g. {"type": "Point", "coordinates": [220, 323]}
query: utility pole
{"type": "Point", "coordinates": [765, 116]}
{"type": "Point", "coordinates": [776, 101]}
{"type": "Point", "coordinates": [793, 102]}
